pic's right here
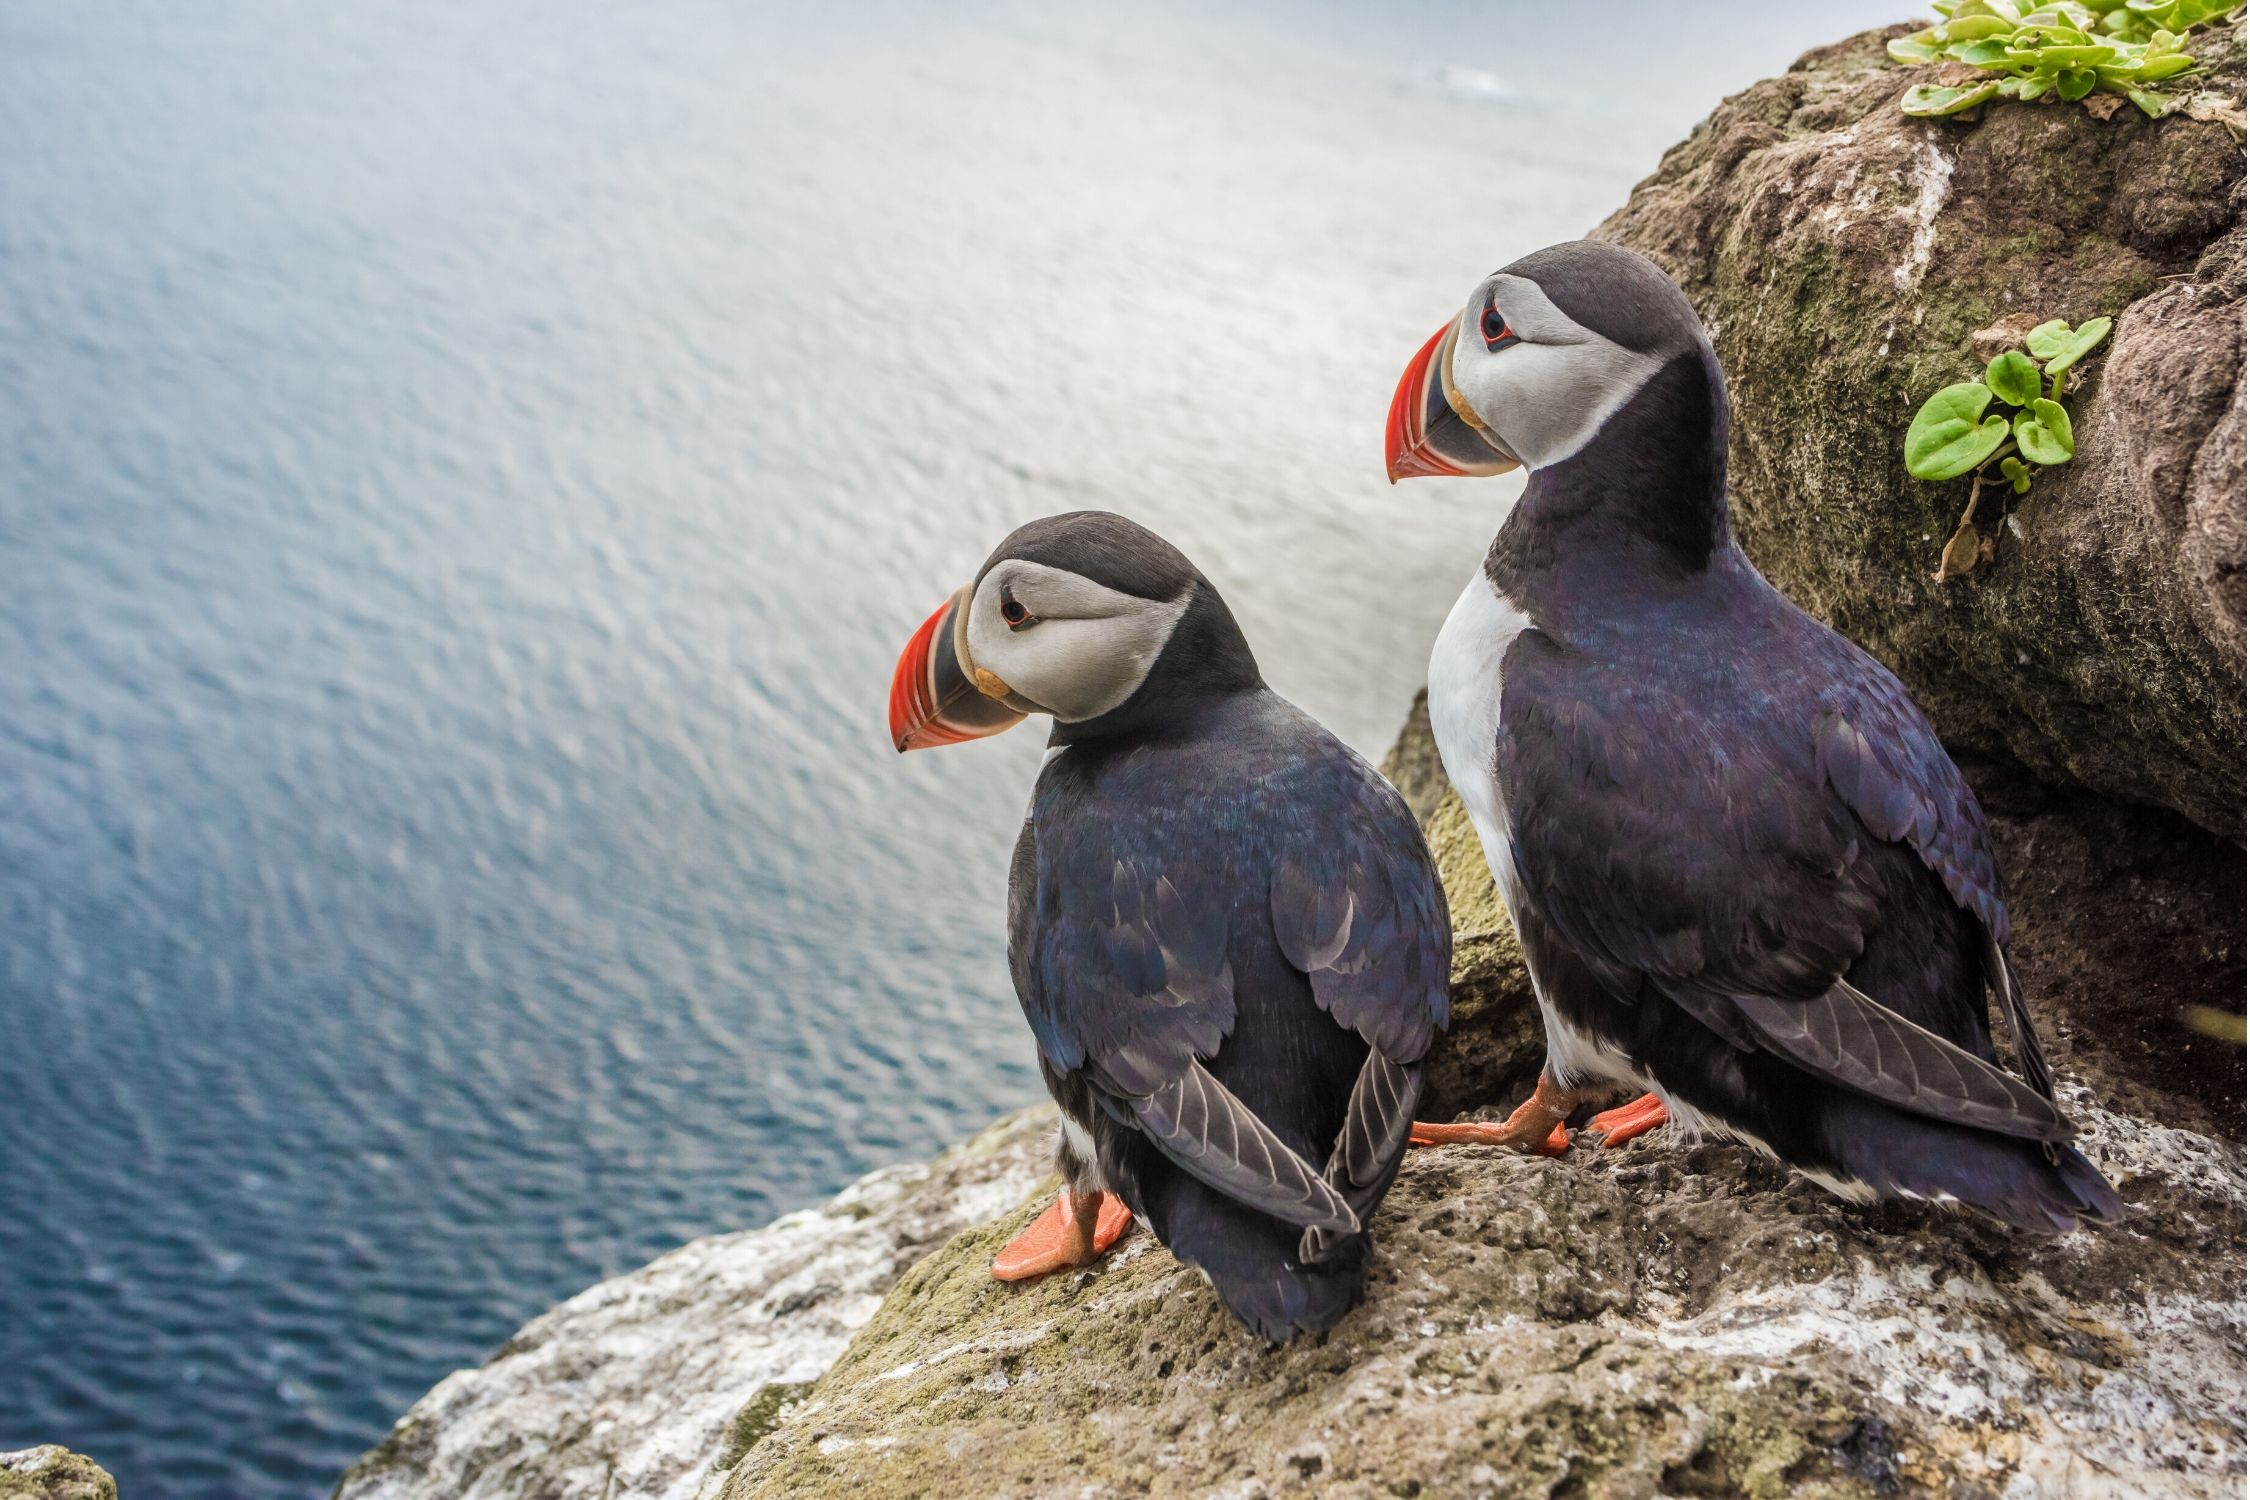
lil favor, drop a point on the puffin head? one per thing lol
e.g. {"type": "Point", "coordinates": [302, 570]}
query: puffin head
{"type": "Point", "coordinates": [1540, 358]}
{"type": "Point", "coordinates": [1086, 617]}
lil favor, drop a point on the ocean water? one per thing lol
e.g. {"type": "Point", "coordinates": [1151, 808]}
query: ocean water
{"type": "Point", "coordinates": [465, 475]}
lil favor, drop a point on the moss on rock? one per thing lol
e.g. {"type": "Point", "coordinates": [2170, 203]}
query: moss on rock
{"type": "Point", "coordinates": [759, 1416]}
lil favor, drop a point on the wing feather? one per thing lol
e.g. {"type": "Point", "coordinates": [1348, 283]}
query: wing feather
{"type": "Point", "coordinates": [1377, 1121]}
{"type": "Point", "coordinates": [1357, 907]}
{"type": "Point", "coordinates": [1871, 1049]}
{"type": "Point", "coordinates": [1212, 1135]}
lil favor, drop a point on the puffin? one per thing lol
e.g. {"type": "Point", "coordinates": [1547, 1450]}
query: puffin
{"type": "Point", "coordinates": [1748, 879]}
{"type": "Point", "coordinates": [1224, 928]}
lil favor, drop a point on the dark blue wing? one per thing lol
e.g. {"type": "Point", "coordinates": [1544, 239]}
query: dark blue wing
{"type": "Point", "coordinates": [1358, 908]}
{"type": "Point", "coordinates": [1880, 755]}
{"type": "Point", "coordinates": [1125, 974]}
{"type": "Point", "coordinates": [1123, 917]}
{"type": "Point", "coordinates": [1875, 750]}
{"type": "Point", "coordinates": [1684, 825]}
{"type": "Point", "coordinates": [1119, 937]}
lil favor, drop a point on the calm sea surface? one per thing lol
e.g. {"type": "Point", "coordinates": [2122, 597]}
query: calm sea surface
{"type": "Point", "coordinates": [465, 474]}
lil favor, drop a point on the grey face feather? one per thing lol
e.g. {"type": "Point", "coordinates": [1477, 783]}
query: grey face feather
{"type": "Point", "coordinates": [1592, 323]}
{"type": "Point", "coordinates": [1085, 647]}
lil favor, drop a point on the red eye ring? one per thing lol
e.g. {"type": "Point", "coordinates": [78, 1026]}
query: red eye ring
{"type": "Point", "coordinates": [1014, 613]}
{"type": "Point", "coordinates": [1494, 326]}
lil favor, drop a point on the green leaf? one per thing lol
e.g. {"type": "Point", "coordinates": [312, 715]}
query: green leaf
{"type": "Point", "coordinates": [2043, 433]}
{"type": "Point", "coordinates": [2001, 8]}
{"type": "Point", "coordinates": [2062, 346]}
{"type": "Point", "coordinates": [2094, 56]}
{"type": "Point", "coordinates": [2019, 477]}
{"type": "Point", "coordinates": [1975, 28]}
{"type": "Point", "coordinates": [1918, 48]}
{"type": "Point", "coordinates": [2012, 378]}
{"type": "Point", "coordinates": [2156, 106]}
{"type": "Point", "coordinates": [1946, 440]}
{"type": "Point", "coordinates": [2048, 339]}
{"type": "Point", "coordinates": [2075, 83]}
{"type": "Point", "coordinates": [2063, 13]}
{"type": "Point", "coordinates": [2170, 65]}
{"type": "Point", "coordinates": [1985, 54]}
{"type": "Point", "coordinates": [1926, 100]}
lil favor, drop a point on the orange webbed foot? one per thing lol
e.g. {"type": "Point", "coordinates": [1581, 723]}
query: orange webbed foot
{"type": "Point", "coordinates": [1485, 1133]}
{"type": "Point", "coordinates": [1076, 1230]}
{"type": "Point", "coordinates": [1536, 1126]}
{"type": "Point", "coordinates": [1614, 1127]}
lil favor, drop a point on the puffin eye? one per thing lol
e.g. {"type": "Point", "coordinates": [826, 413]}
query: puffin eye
{"type": "Point", "coordinates": [1494, 326]}
{"type": "Point", "coordinates": [1014, 613]}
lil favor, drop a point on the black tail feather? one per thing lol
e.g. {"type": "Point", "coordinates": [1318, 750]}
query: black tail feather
{"type": "Point", "coordinates": [1252, 1262]}
{"type": "Point", "coordinates": [2041, 1189]}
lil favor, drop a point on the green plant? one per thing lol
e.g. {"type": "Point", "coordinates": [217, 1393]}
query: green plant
{"type": "Point", "coordinates": [1958, 432]}
{"type": "Point", "coordinates": [2067, 48]}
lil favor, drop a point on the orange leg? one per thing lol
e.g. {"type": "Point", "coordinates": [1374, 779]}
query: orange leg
{"type": "Point", "coordinates": [1536, 1126]}
{"type": "Point", "coordinates": [1619, 1125]}
{"type": "Point", "coordinates": [1075, 1230]}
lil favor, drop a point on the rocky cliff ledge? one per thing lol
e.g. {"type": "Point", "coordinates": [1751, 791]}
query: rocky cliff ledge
{"type": "Point", "coordinates": [53, 1473]}
{"type": "Point", "coordinates": [638, 1385]}
{"type": "Point", "coordinates": [1674, 1317]}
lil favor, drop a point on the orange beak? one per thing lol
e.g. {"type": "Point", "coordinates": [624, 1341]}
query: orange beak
{"type": "Point", "coordinates": [1433, 432]}
{"type": "Point", "coordinates": [934, 700]}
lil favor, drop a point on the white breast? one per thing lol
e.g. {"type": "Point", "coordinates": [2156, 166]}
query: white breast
{"type": "Point", "coordinates": [1465, 713]}
{"type": "Point", "coordinates": [1465, 682]}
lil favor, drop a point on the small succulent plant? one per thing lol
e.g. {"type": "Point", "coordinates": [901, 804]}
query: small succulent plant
{"type": "Point", "coordinates": [2067, 49]}
{"type": "Point", "coordinates": [2002, 420]}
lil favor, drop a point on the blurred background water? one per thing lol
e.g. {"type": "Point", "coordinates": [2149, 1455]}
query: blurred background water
{"type": "Point", "coordinates": [465, 474]}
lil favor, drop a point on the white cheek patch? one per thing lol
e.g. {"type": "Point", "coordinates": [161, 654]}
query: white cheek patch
{"type": "Point", "coordinates": [1091, 649]}
{"type": "Point", "coordinates": [1547, 396]}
